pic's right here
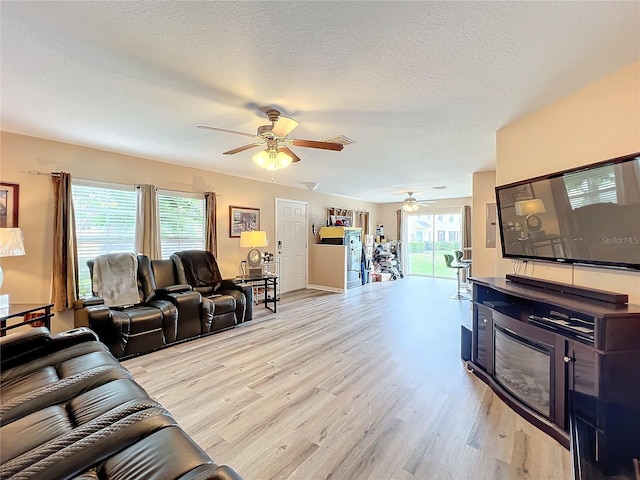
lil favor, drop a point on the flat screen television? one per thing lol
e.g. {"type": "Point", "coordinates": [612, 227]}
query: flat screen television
{"type": "Point", "coordinates": [588, 215]}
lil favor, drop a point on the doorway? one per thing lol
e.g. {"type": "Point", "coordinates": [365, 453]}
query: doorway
{"type": "Point", "coordinates": [291, 244]}
{"type": "Point", "coordinates": [428, 237]}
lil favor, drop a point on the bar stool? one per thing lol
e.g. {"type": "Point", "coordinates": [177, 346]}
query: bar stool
{"type": "Point", "coordinates": [459, 259]}
{"type": "Point", "coordinates": [449, 260]}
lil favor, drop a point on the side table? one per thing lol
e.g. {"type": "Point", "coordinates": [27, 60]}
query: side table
{"type": "Point", "coordinates": [268, 282]}
{"type": "Point", "coordinates": [30, 313]}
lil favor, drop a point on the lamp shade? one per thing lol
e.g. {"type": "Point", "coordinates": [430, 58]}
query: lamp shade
{"type": "Point", "coordinates": [410, 205]}
{"type": "Point", "coordinates": [272, 160]}
{"type": "Point", "coordinates": [530, 207]}
{"type": "Point", "coordinates": [11, 242]}
{"type": "Point", "coordinates": [253, 238]}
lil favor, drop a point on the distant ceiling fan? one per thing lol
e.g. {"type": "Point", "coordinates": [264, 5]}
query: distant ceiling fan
{"type": "Point", "coordinates": [274, 137]}
{"type": "Point", "coordinates": [410, 203]}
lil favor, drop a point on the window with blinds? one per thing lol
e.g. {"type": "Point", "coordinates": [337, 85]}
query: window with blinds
{"type": "Point", "coordinates": [587, 188]}
{"type": "Point", "coordinates": [182, 222]}
{"type": "Point", "coordinates": [105, 223]}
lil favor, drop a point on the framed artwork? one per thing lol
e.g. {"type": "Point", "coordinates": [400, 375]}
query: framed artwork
{"type": "Point", "coordinates": [9, 200]}
{"type": "Point", "coordinates": [509, 196]}
{"type": "Point", "coordinates": [243, 219]}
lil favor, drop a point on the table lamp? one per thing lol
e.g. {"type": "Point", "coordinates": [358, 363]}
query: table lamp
{"type": "Point", "coordinates": [529, 209]}
{"type": "Point", "coordinates": [253, 239]}
{"type": "Point", "coordinates": [11, 245]}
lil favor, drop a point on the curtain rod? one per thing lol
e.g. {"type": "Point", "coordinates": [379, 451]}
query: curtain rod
{"type": "Point", "coordinates": [137, 185]}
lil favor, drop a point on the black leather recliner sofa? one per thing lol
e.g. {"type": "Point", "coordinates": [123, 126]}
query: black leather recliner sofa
{"type": "Point", "coordinates": [69, 410]}
{"type": "Point", "coordinates": [170, 310]}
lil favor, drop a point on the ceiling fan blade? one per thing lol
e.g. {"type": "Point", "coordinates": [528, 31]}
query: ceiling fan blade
{"type": "Point", "coordinates": [227, 131]}
{"type": "Point", "coordinates": [243, 148]}
{"type": "Point", "coordinates": [314, 144]}
{"type": "Point", "coordinates": [287, 151]}
{"type": "Point", "coordinates": [284, 126]}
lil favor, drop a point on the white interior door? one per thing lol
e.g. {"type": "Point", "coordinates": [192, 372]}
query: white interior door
{"type": "Point", "coordinates": [291, 244]}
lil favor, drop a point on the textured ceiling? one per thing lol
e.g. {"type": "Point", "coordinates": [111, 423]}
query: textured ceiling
{"type": "Point", "coordinates": [421, 87]}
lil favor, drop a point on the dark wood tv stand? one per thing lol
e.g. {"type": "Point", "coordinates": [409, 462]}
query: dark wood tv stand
{"type": "Point", "coordinates": [588, 346]}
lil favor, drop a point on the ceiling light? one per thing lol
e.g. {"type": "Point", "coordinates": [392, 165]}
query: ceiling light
{"type": "Point", "coordinates": [311, 185]}
{"type": "Point", "coordinates": [410, 205]}
{"type": "Point", "coordinates": [272, 160]}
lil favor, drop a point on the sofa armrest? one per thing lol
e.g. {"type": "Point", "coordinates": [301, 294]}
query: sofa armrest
{"type": "Point", "coordinates": [174, 289]}
{"type": "Point", "coordinates": [99, 317]}
{"type": "Point", "coordinates": [37, 341]}
{"type": "Point", "coordinates": [247, 289]}
{"type": "Point", "coordinates": [231, 284]}
{"type": "Point", "coordinates": [87, 302]}
{"type": "Point", "coordinates": [23, 343]}
{"type": "Point", "coordinates": [72, 337]}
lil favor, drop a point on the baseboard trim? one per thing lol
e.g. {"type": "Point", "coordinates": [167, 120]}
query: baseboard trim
{"type": "Point", "coordinates": [326, 289]}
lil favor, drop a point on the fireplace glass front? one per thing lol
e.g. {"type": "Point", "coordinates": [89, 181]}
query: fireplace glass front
{"type": "Point", "coordinates": [523, 367]}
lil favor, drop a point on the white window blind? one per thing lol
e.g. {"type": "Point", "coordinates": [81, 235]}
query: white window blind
{"type": "Point", "coordinates": [105, 223]}
{"type": "Point", "coordinates": [583, 188]}
{"type": "Point", "coordinates": [181, 222]}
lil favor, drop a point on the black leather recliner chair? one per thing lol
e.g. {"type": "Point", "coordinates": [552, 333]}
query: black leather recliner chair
{"type": "Point", "coordinates": [233, 302]}
{"type": "Point", "coordinates": [130, 330]}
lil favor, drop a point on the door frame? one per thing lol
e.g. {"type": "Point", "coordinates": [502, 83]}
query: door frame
{"type": "Point", "coordinates": [434, 212]}
{"type": "Point", "coordinates": [277, 200]}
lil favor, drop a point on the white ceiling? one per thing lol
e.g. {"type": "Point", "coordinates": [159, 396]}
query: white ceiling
{"type": "Point", "coordinates": [421, 87]}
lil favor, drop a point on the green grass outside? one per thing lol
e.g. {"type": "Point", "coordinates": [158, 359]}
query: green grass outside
{"type": "Point", "coordinates": [422, 264]}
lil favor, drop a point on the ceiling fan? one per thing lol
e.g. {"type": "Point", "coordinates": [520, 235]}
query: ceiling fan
{"type": "Point", "coordinates": [276, 153]}
{"type": "Point", "coordinates": [410, 204]}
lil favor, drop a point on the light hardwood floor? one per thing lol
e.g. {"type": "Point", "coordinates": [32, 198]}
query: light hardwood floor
{"type": "Point", "coordinates": [363, 385]}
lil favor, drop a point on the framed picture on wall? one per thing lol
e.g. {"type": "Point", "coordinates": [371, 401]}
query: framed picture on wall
{"type": "Point", "coordinates": [243, 219]}
{"type": "Point", "coordinates": [509, 196]}
{"type": "Point", "coordinates": [9, 198]}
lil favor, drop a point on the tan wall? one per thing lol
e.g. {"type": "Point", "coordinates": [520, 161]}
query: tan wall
{"type": "Point", "coordinates": [328, 267]}
{"type": "Point", "coordinates": [599, 122]}
{"type": "Point", "coordinates": [28, 278]}
{"type": "Point", "coordinates": [484, 259]}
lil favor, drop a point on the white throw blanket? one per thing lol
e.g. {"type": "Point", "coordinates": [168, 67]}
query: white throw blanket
{"type": "Point", "coordinates": [115, 278]}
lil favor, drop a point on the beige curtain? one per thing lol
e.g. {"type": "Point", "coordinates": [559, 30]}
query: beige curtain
{"type": "Point", "coordinates": [399, 224]}
{"type": "Point", "coordinates": [210, 226]}
{"type": "Point", "coordinates": [148, 222]}
{"type": "Point", "coordinates": [64, 282]}
{"type": "Point", "coordinates": [466, 232]}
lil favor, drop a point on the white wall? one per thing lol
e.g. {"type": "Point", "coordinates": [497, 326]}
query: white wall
{"type": "Point", "coordinates": [599, 122]}
{"type": "Point", "coordinates": [28, 278]}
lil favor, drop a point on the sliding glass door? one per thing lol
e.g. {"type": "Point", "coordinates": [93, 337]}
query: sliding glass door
{"type": "Point", "coordinates": [428, 237]}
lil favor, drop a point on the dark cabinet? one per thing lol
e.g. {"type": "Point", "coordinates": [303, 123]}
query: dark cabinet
{"type": "Point", "coordinates": [581, 368]}
{"type": "Point", "coordinates": [534, 346]}
{"type": "Point", "coordinates": [482, 337]}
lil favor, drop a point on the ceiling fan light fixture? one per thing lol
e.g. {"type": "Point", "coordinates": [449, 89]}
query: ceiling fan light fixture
{"type": "Point", "coordinates": [272, 160]}
{"type": "Point", "coordinates": [410, 205]}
